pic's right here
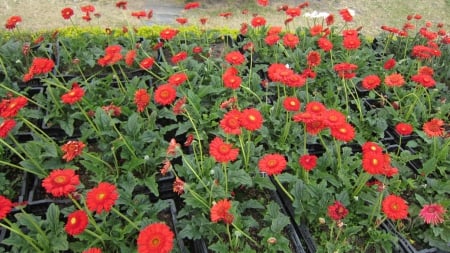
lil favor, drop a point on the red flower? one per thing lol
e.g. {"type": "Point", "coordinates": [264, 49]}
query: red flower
{"type": "Point", "coordinates": [329, 19]}
{"type": "Point", "coordinates": [258, 21]}
{"type": "Point", "coordinates": [290, 40]}
{"type": "Point", "coordinates": [263, 2]}
{"type": "Point", "coordinates": [389, 64]}
{"type": "Point", "coordinates": [345, 70]}
{"type": "Point", "coordinates": [76, 223]}
{"type": "Point", "coordinates": [337, 211]}
{"type": "Point", "coordinates": [308, 162]}
{"type": "Point", "coordinates": [72, 149]}
{"type": "Point", "coordinates": [92, 250]}
{"type": "Point", "coordinates": [272, 39]}
{"type": "Point", "coordinates": [343, 132]}
{"type": "Point", "coordinates": [371, 147]}
{"type": "Point", "coordinates": [291, 104]}
{"type": "Point", "coordinates": [87, 8]}
{"type": "Point", "coordinates": [434, 128]}
{"type": "Point", "coordinates": [155, 238]}
{"type": "Point", "coordinates": [10, 107]}
{"type": "Point", "coordinates": [197, 50]}
{"type": "Point", "coordinates": [178, 186]}
{"type": "Point", "coordinates": [325, 44]}
{"type": "Point", "coordinates": [425, 80]}
{"type": "Point", "coordinates": [373, 163]}
{"type": "Point", "coordinates": [251, 119]}
{"type": "Point", "coordinates": [74, 95]}
{"type": "Point", "coordinates": [191, 5]}
{"type": "Point", "coordinates": [230, 122]}
{"type": "Point", "coordinates": [221, 151]}
{"type": "Point", "coordinates": [146, 63]}
{"type": "Point", "coordinates": [168, 33]}
{"type": "Point", "coordinates": [172, 149]}
{"type": "Point", "coordinates": [102, 198]}
{"type": "Point", "coordinates": [112, 109]}
{"type": "Point", "coordinates": [181, 56]}
{"type": "Point", "coordinates": [315, 125]}
{"type": "Point", "coordinates": [165, 94]}
{"type": "Point", "coordinates": [61, 182]}
{"type": "Point", "coordinates": [178, 107]}
{"type": "Point", "coordinates": [333, 118]}
{"type": "Point", "coordinates": [394, 80]}
{"type": "Point", "coordinates": [141, 99]}
{"type": "Point", "coordinates": [432, 214]}
{"type": "Point", "coordinates": [166, 167]}
{"type": "Point", "coordinates": [232, 81]}
{"type": "Point", "coordinates": [12, 21]}
{"type": "Point", "coordinates": [313, 59]}
{"type": "Point", "coordinates": [293, 12]}
{"type": "Point", "coordinates": [220, 211]}
{"type": "Point", "coordinates": [272, 164]}
{"type": "Point", "coordinates": [112, 56]}
{"type": "Point", "coordinates": [235, 58]}
{"type": "Point", "coordinates": [67, 13]}
{"type": "Point", "coordinates": [425, 70]}
{"type": "Point", "coordinates": [370, 82]}
{"type": "Point", "coordinates": [395, 207]}
{"type": "Point", "coordinates": [404, 128]}
{"type": "Point", "coordinates": [5, 207]}
{"type": "Point", "coordinates": [41, 66]}
{"type": "Point", "coordinates": [121, 5]}
{"type": "Point", "coordinates": [351, 42]}
{"type": "Point", "coordinates": [6, 126]}
{"type": "Point", "coordinates": [315, 107]}
{"type": "Point", "coordinates": [346, 15]}
{"type": "Point", "coordinates": [181, 20]}
{"type": "Point", "coordinates": [139, 14]}
{"type": "Point", "coordinates": [177, 78]}
{"type": "Point", "coordinates": [129, 57]}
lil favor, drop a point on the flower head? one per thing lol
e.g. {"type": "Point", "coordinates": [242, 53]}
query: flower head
{"type": "Point", "coordinates": [76, 222]}
{"type": "Point", "coordinates": [308, 162]}
{"type": "Point", "coordinates": [92, 250]}
{"type": "Point", "coordinates": [191, 5]}
{"type": "Point", "coordinates": [10, 107]}
{"type": "Point", "coordinates": [394, 80]}
{"type": "Point", "coordinates": [181, 56]}
{"type": "Point", "coordinates": [291, 104]}
{"type": "Point", "coordinates": [168, 33]}
{"type": "Point", "coordinates": [395, 207]}
{"type": "Point", "coordinates": [12, 22]}
{"type": "Point", "coordinates": [5, 207]}
{"type": "Point", "coordinates": [74, 95]}
{"type": "Point", "coordinates": [102, 197]}
{"type": "Point", "coordinates": [177, 79]}
{"type": "Point", "coordinates": [272, 164]}
{"type": "Point", "coordinates": [230, 122]}
{"type": "Point", "coordinates": [72, 149]}
{"type": "Point", "coordinates": [165, 94]}
{"type": "Point", "coordinates": [178, 186]}
{"type": "Point", "coordinates": [6, 126]}
{"type": "Point", "coordinates": [343, 132]}
{"type": "Point", "coordinates": [220, 211]}
{"type": "Point", "coordinates": [404, 128]}
{"type": "Point", "coordinates": [67, 13]}
{"type": "Point", "coordinates": [251, 119]}
{"type": "Point", "coordinates": [235, 58]}
{"type": "Point", "coordinates": [434, 127]}
{"type": "Point", "coordinates": [337, 211]}
{"type": "Point", "coordinates": [141, 99]}
{"type": "Point", "coordinates": [370, 82]}
{"type": "Point", "coordinates": [61, 182]}
{"type": "Point", "coordinates": [147, 63]}
{"type": "Point", "coordinates": [155, 238]}
{"type": "Point", "coordinates": [221, 151]}
{"type": "Point", "coordinates": [432, 214]}
{"type": "Point", "coordinates": [290, 40]}
{"type": "Point", "coordinates": [258, 21]}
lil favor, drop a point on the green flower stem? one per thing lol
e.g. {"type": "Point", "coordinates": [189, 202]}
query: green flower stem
{"type": "Point", "coordinates": [283, 188]}
{"type": "Point", "coordinates": [243, 233]}
{"type": "Point", "coordinates": [225, 173]}
{"type": "Point", "coordinates": [37, 129]}
{"type": "Point", "coordinates": [360, 182]}
{"type": "Point", "coordinates": [199, 198]}
{"type": "Point", "coordinates": [286, 128]}
{"type": "Point", "coordinates": [199, 163]}
{"type": "Point", "coordinates": [121, 87]}
{"type": "Point", "coordinates": [338, 153]}
{"type": "Point", "coordinates": [16, 167]}
{"type": "Point", "coordinates": [121, 137]}
{"type": "Point", "coordinates": [229, 234]}
{"type": "Point", "coordinates": [42, 171]}
{"type": "Point", "coordinates": [102, 161]}
{"type": "Point", "coordinates": [17, 231]}
{"type": "Point", "coordinates": [124, 217]}
{"type": "Point", "coordinates": [185, 161]}
{"type": "Point", "coordinates": [247, 89]}
{"type": "Point", "coordinates": [13, 149]}
{"type": "Point", "coordinates": [88, 231]}
{"type": "Point", "coordinates": [19, 94]}
{"type": "Point", "coordinates": [91, 219]}
{"type": "Point", "coordinates": [376, 208]}
{"type": "Point", "coordinates": [91, 123]}
{"type": "Point", "coordinates": [31, 221]}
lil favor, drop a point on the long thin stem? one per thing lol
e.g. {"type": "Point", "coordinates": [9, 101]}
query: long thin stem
{"type": "Point", "coordinates": [17, 231]}
{"type": "Point", "coordinates": [124, 217]}
{"type": "Point", "coordinates": [283, 188]}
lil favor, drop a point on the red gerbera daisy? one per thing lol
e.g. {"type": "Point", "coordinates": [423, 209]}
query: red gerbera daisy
{"type": "Point", "coordinates": [258, 21]}
{"type": "Point", "coordinates": [10, 107]}
{"type": "Point", "coordinates": [230, 122]}
{"type": "Point", "coordinates": [6, 126]}
{"type": "Point", "coordinates": [293, 80]}
{"type": "Point", "coordinates": [61, 182]}
{"type": "Point", "coordinates": [129, 57]}
{"type": "Point", "coordinates": [251, 119]}
{"type": "Point", "coordinates": [263, 2]}
{"type": "Point", "coordinates": [221, 151]}
{"type": "Point", "coordinates": [394, 80]}
{"type": "Point", "coordinates": [404, 128]}
{"type": "Point", "coordinates": [308, 162]}
{"type": "Point", "coordinates": [313, 59]}
{"type": "Point", "coordinates": [76, 222]}
{"type": "Point", "coordinates": [102, 198]}
{"type": "Point", "coordinates": [370, 82]}
{"type": "Point", "coordinates": [293, 12]}
{"type": "Point", "coordinates": [191, 5]}
{"type": "Point", "coordinates": [315, 107]}
{"type": "Point", "coordinates": [74, 95]}
{"type": "Point", "coordinates": [425, 80]}
{"type": "Point", "coordinates": [346, 15]}
{"type": "Point", "coordinates": [168, 33]}
{"type": "Point", "coordinates": [432, 214]}
{"type": "Point", "coordinates": [290, 40]}
{"type": "Point", "coordinates": [177, 79]}
{"type": "Point", "coordinates": [67, 13]}
{"type": "Point", "coordinates": [325, 44]}
{"type": "Point", "coordinates": [178, 107]}
{"type": "Point", "coordinates": [315, 125]}
{"type": "Point", "coordinates": [165, 94]}
{"type": "Point", "coordinates": [272, 39]}
{"type": "Point", "coordinates": [181, 56]}
{"type": "Point", "coordinates": [373, 163]}
{"type": "Point", "coordinates": [272, 164]}
{"type": "Point", "coordinates": [371, 147]}
{"type": "Point", "coordinates": [178, 186]}
{"type": "Point", "coordinates": [141, 99]}
{"type": "Point", "coordinates": [351, 42]}
{"type": "Point", "coordinates": [181, 20]}
{"type": "Point", "coordinates": [155, 238]}
{"type": "Point", "coordinates": [337, 211]}
{"type": "Point", "coordinates": [232, 81]}
{"type": "Point", "coordinates": [220, 211]}
{"type": "Point", "coordinates": [315, 30]}
{"type": "Point", "coordinates": [93, 250]}
{"type": "Point", "coordinates": [5, 207]}
{"type": "Point", "coordinates": [147, 63]}
{"type": "Point", "coordinates": [235, 58]}
{"type": "Point", "coordinates": [12, 22]}
{"type": "Point", "coordinates": [434, 127]}
{"type": "Point", "coordinates": [343, 132]}
{"type": "Point", "coordinates": [87, 8]}
{"type": "Point", "coordinates": [389, 64]}
{"type": "Point", "coordinates": [395, 207]}
{"type": "Point", "coordinates": [112, 55]}
{"type": "Point", "coordinates": [72, 149]}
{"type": "Point", "coordinates": [333, 118]}
{"type": "Point", "coordinates": [291, 104]}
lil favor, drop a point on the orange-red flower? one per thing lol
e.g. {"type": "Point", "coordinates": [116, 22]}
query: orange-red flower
{"type": "Point", "coordinates": [272, 39]}
{"type": "Point", "coordinates": [141, 99]}
{"type": "Point", "coordinates": [230, 122]}
{"type": "Point", "coordinates": [371, 147]}
{"type": "Point", "coordinates": [178, 186]}
{"type": "Point", "coordinates": [10, 107]}
{"type": "Point", "coordinates": [220, 211]}
{"type": "Point", "coordinates": [232, 81]}
{"type": "Point", "coordinates": [333, 118]}
{"type": "Point", "coordinates": [373, 163]}
{"type": "Point", "coordinates": [263, 2]}
{"type": "Point", "coordinates": [165, 94]}
{"type": "Point", "coordinates": [139, 14]}
{"type": "Point", "coordinates": [102, 197]}
{"type": "Point", "coordinates": [168, 33]}
{"type": "Point", "coordinates": [235, 58]}
{"type": "Point", "coordinates": [92, 250]}
{"type": "Point", "coordinates": [5, 207]}
{"type": "Point", "coordinates": [404, 128]}
{"type": "Point", "coordinates": [337, 211]}
{"type": "Point", "coordinates": [40, 66]}
{"type": "Point", "coordinates": [395, 207]}
{"type": "Point", "coordinates": [6, 126]}
{"type": "Point", "coordinates": [112, 55]}
{"type": "Point", "coordinates": [61, 182]}
{"type": "Point", "coordinates": [370, 82]}
{"type": "Point", "coordinates": [258, 21]}
{"type": "Point", "coordinates": [87, 8]}
{"type": "Point", "coordinates": [293, 12]}
{"type": "Point", "coordinates": [291, 104]}
{"type": "Point", "coordinates": [272, 164]}
{"type": "Point", "coordinates": [121, 5]}
{"type": "Point", "coordinates": [67, 13]}
{"type": "Point", "coordinates": [181, 20]}
{"type": "Point", "coordinates": [325, 44]}
{"type": "Point", "coordinates": [425, 80]}
{"type": "Point", "coordinates": [181, 56]}
{"type": "Point", "coordinates": [346, 15]}
{"type": "Point", "coordinates": [345, 70]}
{"type": "Point", "coordinates": [221, 151]}
{"type": "Point", "coordinates": [251, 119]}
{"type": "Point", "coordinates": [308, 162]}
{"type": "Point", "coordinates": [315, 107]}
{"type": "Point", "coordinates": [12, 22]}
{"type": "Point", "coordinates": [74, 95]}
{"type": "Point", "coordinates": [177, 78]}
{"type": "Point", "coordinates": [129, 57]}
{"type": "Point", "coordinates": [343, 132]}
{"type": "Point", "coordinates": [191, 5]}
{"type": "Point", "coordinates": [394, 80]}
{"type": "Point", "coordinates": [147, 63]}
{"type": "Point", "coordinates": [178, 107]}
{"type": "Point", "coordinates": [290, 40]}
{"type": "Point", "coordinates": [389, 64]}
{"type": "Point", "coordinates": [72, 149]}
{"type": "Point", "coordinates": [77, 222]}
{"type": "Point", "coordinates": [434, 127]}
{"type": "Point", "coordinates": [351, 42]}
{"type": "Point", "coordinates": [155, 238]}
{"type": "Point", "coordinates": [432, 214]}
{"type": "Point", "coordinates": [313, 59]}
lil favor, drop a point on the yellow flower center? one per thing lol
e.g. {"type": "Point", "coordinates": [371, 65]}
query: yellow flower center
{"type": "Point", "coordinates": [155, 241]}
{"type": "Point", "coordinates": [60, 179]}
{"type": "Point", "coordinates": [73, 220]}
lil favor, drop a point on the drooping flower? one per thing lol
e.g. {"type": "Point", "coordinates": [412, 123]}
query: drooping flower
{"type": "Point", "coordinates": [370, 82]}
{"type": "Point", "coordinates": [389, 64]}
{"type": "Point", "coordinates": [5, 207]}
{"type": "Point", "coordinates": [121, 5]}
{"type": "Point", "coordinates": [177, 79]}
{"type": "Point", "coordinates": [291, 104]}
{"type": "Point", "coordinates": [404, 128]}
{"type": "Point", "coordinates": [10, 107]}
{"type": "Point", "coordinates": [61, 182]}
{"type": "Point", "coordinates": [147, 63]}
{"type": "Point", "coordinates": [12, 22]}
{"type": "Point", "coordinates": [40, 66]}
{"type": "Point", "coordinates": [129, 57]}
{"type": "Point", "coordinates": [434, 127]}
{"type": "Point", "coordinates": [337, 211]}
{"type": "Point", "coordinates": [178, 107]}
{"type": "Point", "coordinates": [141, 99]}
{"type": "Point", "coordinates": [77, 222]}
{"type": "Point", "coordinates": [221, 151]}
{"type": "Point", "coordinates": [178, 186]}
{"type": "Point", "coordinates": [102, 197]}
{"type": "Point", "coordinates": [220, 211]}
{"type": "Point", "coordinates": [346, 15]}
{"type": "Point", "coordinates": [235, 58]}
{"type": "Point", "coordinates": [92, 250]}
{"type": "Point", "coordinates": [308, 162]}
{"type": "Point", "coordinates": [74, 95]}
{"type": "Point", "coordinates": [251, 119]}
{"type": "Point", "coordinates": [395, 207]}
{"type": "Point", "coordinates": [432, 214]}
{"type": "Point", "coordinates": [6, 126]}
{"type": "Point", "coordinates": [67, 13]}
{"type": "Point", "coordinates": [155, 238]}
{"type": "Point", "coordinates": [72, 149]}
{"type": "Point", "coordinates": [272, 164]}
{"type": "Point", "coordinates": [230, 122]}
{"type": "Point", "coordinates": [165, 94]}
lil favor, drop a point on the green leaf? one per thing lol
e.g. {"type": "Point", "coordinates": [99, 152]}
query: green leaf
{"type": "Point", "coordinates": [420, 199]}
{"type": "Point", "coordinates": [150, 182]}
{"type": "Point", "coordinates": [132, 126]}
{"type": "Point", "coordinates": [219, 247]}
{"type": "Point", "coordinates": [240, 177]}
{"type": "Point", "coordinates": [279, 223]}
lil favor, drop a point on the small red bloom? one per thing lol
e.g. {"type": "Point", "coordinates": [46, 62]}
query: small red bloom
{"type": "Point", "coordinates": [41, 66]}
{"type": "Point", "coordinates": [371, 147]}
{"type": "Point", "coordinates": [343, 132]}
{"type": "Point", "coordinates": [172, 149]}
{"type": "Point", "coordinates": [102, 198]}
{"type": "Point", "coordinates": [230, 122]}
{"type": "Point", "coordinates": [370, 82]}
{"type": "Point", "coordinates": [67, 13]}
{"type": "Point", "coordinates": [72, 149]}
{"type": "Point", "coordinates": [197, 50]}
{"type": "Point", "coordinates": [272, 39]}
{"type": "Point", "coordinates": [315, 107]}
{"type": "Point", "coordinates": [165, 94]}
{"type": "Point", "coordinates": [325, 44]}
{"type": "Point", "coordinates": [155, 238]}
{"type": "Point", "coordinates": [10, 107]}
{"type": "Point", "coordinates": [178, 107]}
{"type": "Point", "coordinates": [232, 81]}
{"type": "Point", "coordinates": [177, 79]}
{"type": "Point", "coordinates": [61, 182]}
{"type": "Point", "coordinates": [5, 207]}
{"type": "Point", "coordinates": [346, 15]}
{"type": "Point", "coordinates": [351, 42]}
{"type": "Point", "coordinates": [404, 128]}
{"type": "Point", "coordinates": [112, 55]}
{"type": "Point", "coordinates": [290, 40]}
{"type": "Point", "coordinates": [394, 80]}
{"type": "Point", "coordinates": [166, 167]}
{"type": "Point", "coordinates": [333, 118]}
{"type": "Point", "coordinates": [76, 222]}
{"type": "Point", "coordinates": [129, 57]}
{"type": "Point", "coordinates": [337, 211]}
{"type": "Point", "coordinates": [178, 186]}
{"type": "Point", "coordinates": [220, 211]}
{"type": "Point", "coordinates": [87, 8]}
{"type": "Point", "coordinates": [291, 104]}
{"type": "Point", "coordinates": [425, 80]}
{"type": "Point", "coordinates": [313, 59]}
{"type": "Point", "coordinates": [141, 99]}
{"type": "Point", "coordinates": [432, 214]}
{"type": "Point", "coordinates": [12, 22]}
{"type": "Point", "coordinates": [329, 19]}
{"type": "Point", "coordinates": [434, 127]}
{"type": "Point", "coordinates": [258, 21]}
{"type": "Point", "coordinates": [92, 250]}
{"type": "Point", "coordinates": [74, 95]}
{"type": "Point", "coordinates": [191, 5]}
{"type": "Point", "coordinates": [308, 162]}
{"type": "Point", "coordinates": [139, 14]}
{"type": "Point", "coordinates": [168, 33]}
{"type": "Point", "coordinates": [272, 164]}
{"type": "Point", "coordinates": [293, 12]}
{"type": "Point", "coordinates": [181, 20]}
{"type": "Point", "coordinates": [147, 63]}
{"type": "Point", "coordinates": [345, 70]}
{"type": "Point", "coordinates": [6, 126]}
{"type": "Point", "coordinates": [235, 58]}
{"type": "Point", "coordinates": [263, 2]}
{"type": "Point", "coordinates": [121, 5]}
{"type": "Point", "coordinates": [181, 56]}
{"type": "Point", "coordinates": [221, 151]}
{"type": "Point", "coordinates": [395, 207]}
{"type": "Point", "coordinates": [251, 119]}
{"type": "Point", "coordinates": [373, 163]}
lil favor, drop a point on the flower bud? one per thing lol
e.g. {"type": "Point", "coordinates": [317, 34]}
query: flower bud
{"type": "Point", "coordinates": [321, 220]}
{"type": "Point", "coordinates": [272, 240]}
